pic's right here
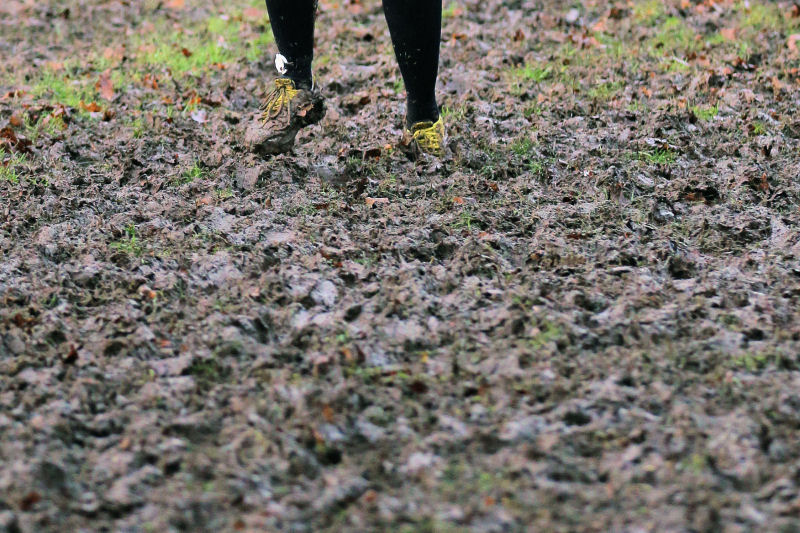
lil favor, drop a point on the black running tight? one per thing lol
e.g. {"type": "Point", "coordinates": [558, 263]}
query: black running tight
{"type": "Point", "coordinates": [415, 27]}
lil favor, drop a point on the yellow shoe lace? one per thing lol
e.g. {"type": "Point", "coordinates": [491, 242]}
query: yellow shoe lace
{"type": "Point", "coordinates": [429, 136]}
{"type": "Point", "coordinates": [280, 97]}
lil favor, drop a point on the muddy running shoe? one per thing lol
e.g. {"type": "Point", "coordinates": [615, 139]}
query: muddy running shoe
{"type": "Point", "coordinates": [285, 110]}
{"type": "Point", "coordinates": [426, 137]}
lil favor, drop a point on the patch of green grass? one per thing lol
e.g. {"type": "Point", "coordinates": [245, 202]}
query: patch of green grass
{"type": "Point", "coordinates": [637, 106]}
{"type": "Point", "coordinates": [455, 114]}
{"type": "Point", "coordinates": [59, 88]}
{"type": "Point", "coordinates": [46, 124]}
{"type": "Point", "coordinates": [522, 146]}
{"type": "Point", "coordinates": [612, 47]}
{"type": "Point", "coordinates": [760, 16]}
{"type": "Point", "coordinates": [548, 332]}
{"type": "Point", "coordinates": [673, 37]}
{"type": "Point", "coordinates": [705, 114]}
{"type": "Point", "coordinates": [196, 171]}
{"type": "Point", "coordinates": [758, 128]}
{"type": "Point", "coordinates": [659, 156]}
{"type": "Point", "coordinates": [388, 185]}
{"type": "Point", "coordinates": [536, 168]}
{"type": "Point", "coordinates": [531, 73]}
{"type": "Point", "coordinates": [648, 12]}
{"type": "Point", "coordinates": [171, 55]}
{"type": "Point", "coordinates": [606, 91]}
{"type": "Point", "coordinates": [752, 362]}
{"type": "Point", "coordinates": [219, 41]}
{"type": "Point", "coordinates": [224, 194]}
{"type": "Point", "coordinates": [531, 110]}
{"type": "Point", "coordinates": [464, 220]}
{"type": "Point", "coordinates": [9, 164]}
{"type": "Point", "coordinates": [257, 47]}
{"type": "Point", "coordinates": [452, 10]}
{"type": "Point", "coordinates": [130, 244]}
{"type": "Point", "coordinates": [138, 127]}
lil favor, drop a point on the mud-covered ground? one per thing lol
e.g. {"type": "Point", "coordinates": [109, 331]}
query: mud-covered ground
{"type": "Point", "coordinates": [585, 318]}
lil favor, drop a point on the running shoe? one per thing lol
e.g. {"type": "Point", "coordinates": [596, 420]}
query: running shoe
{"type": "Point", "coordinates": [426, 137]}
{"type": "Point", "coordinates": [285, 110]}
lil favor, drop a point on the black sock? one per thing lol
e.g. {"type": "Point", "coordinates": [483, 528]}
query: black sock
{"type": "Point", "coordinates": [416, 30]}
{"type": "Point", "coordinates": [293, 27]}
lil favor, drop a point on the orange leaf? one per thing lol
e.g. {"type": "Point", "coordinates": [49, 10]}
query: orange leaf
{"type": "Point", "coordinates": [729, 34]}
{"type": "Point", "coordinates": [176, 4]}
{"type": "Point", "coordinates": [104, 86]}
{"type": "Point", "coordinates": [372, 201]}
{"type": "Point", "coordinates": [792, 41]}
{"type": "Point", "coordinates": [253, 13]}
{"type": "Point", "coordinates": [91, 107]}
{"type": "Point", "coordinates": [458, 200]}
{"type": "Point", "coordinates": [327, 413]}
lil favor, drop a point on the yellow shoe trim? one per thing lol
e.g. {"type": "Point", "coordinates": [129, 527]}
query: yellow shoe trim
{"type": "Point", "coordinates": [279, 98]}
{"type": "Point", "coordinates": [429, 136]}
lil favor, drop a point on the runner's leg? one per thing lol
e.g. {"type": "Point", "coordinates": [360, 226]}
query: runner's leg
{"type": "Point", "coordinates": [293, 27]}
{"type": "Point", "coordinates": [416, 28]}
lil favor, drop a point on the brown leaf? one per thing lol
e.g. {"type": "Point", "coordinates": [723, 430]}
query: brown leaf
{"type": "Point", "coordinates": [186, 52]}
{"type": "Point", "coordinates": [104, 86]}
{"type": "Point", "coordinates": [763, 184]}
{"type": "Point", "coordinates": [148, 80]}
{"type": "Point", "coordinates": [72, 355]}
{"type": "Point", "coordinates": [114, 54]}
{"type": "Point", "coordinates": [729, 34]}
{"type": "Point", "coordinates": [253, 13]}
{"type": "Point", "coordinates": [29, 500]}
{"type": "Point", "coordinates": [792, 42]}
{"type": "Point", "coordinates": [372, 201]}
{"type": "Point", "coordinates": [91, 107]}
{"type": "Point", "coordinates": [328, 413]}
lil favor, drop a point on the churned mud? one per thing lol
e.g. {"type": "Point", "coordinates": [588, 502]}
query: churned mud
{"type": "Point", "coordinates": [585, 318]}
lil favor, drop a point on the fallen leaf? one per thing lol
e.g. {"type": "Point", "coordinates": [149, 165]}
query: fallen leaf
{"type": "Point", "coordinates": [372, 201]}
{"type": "Point", "coordinates": [72, 355]}
{"type": "Point", "coordinates": [176, 4]}
{"type": "Point", "coordinates": [199, 116]}
{"type": "Point", "coordinates": [91, 107]}
{"type": "Point", "coordinates": [114, 54]}
{"type": "Point", "coordinates": [104, 86]}
{"type": "Point", "coordinates": [729, 34]}
{"type": "Point", "coordinates": [186, 52]}
{"type": "Point", "coordinates": [253, 13]}
{"type": "Point", "coordinates": [148, 80]}
{"type": "Point", "coordinates": [792, 42]}
{"type": "Point", "coordinates": [29, 500]}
